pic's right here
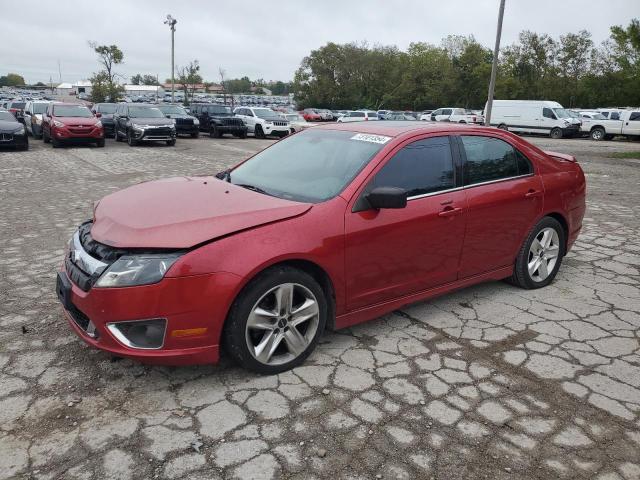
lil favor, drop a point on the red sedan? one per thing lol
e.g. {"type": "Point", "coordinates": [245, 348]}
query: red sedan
{"type": "Point", "coordinates": [261, 259]}
{"type": "Point", "coordinates": [310, 115]}
{"type": "Point", "coordinates": [68, 122]}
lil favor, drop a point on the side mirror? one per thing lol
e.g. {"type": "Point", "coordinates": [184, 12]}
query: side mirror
{"type": "Point", "coordinates": [168, 116]}
{"type": "Point", "coordinates": [98, 114]}
{"type": "Point", "coordinates": [387, 197]}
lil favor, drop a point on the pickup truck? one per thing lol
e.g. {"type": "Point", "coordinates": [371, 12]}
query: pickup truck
{"type": "Point", "coordinates": [456, 115]}
{"type": "Point", "coordinates": [604, 129]}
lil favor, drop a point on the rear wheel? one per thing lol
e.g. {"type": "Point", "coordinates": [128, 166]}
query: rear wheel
{"type": "Point", "coordinates": [276, 321]}
{"type": "Point", "coordinates": [540, 256]}
{"type": "Point", "coordinates": [556, 133]}
{"type": "Point", "coordinates": [259, 133]}
{"type": "Point", "coordinates": [597, 134]}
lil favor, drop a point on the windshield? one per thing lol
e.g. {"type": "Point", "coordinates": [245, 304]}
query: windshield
{"type": "Point", "coordinates": [72, 111]}
{"type": "Point", "coordinates": [7, 116]}
{"type": "Point", "coordinates": [39, 107]}
{"type": "Point", "coordinates": [18, 104]}
{"type": "Point", "coordinates": [561, 113]}
{"type": "Point", "coordinates": [169, 109]}
{"type": "Point", "coordinates": [145, 112]}
{"type": "Point", "coordinates": [311, 166]}
{"type": "Point", "coordinates": [220, 109]}
{"type": "Point", "coordinates": [266, 114]}
{"type": "Point", "coordinates": [106, 108]}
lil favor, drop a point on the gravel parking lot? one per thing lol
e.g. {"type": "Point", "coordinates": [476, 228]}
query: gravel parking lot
{"type": "Point", "coordinates": [490, 382]}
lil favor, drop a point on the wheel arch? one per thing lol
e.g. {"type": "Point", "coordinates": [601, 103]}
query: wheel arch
{"type": "Point", "coordinates": [599, 127]}
{"type": "Point", "coordinates": [565, 225]}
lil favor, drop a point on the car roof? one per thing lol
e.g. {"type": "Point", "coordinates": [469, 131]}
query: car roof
{"type": "Point", "coordinates": [397, 128]}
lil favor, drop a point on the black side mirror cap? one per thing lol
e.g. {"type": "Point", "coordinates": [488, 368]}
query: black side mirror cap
{"type": "Point", "coordinates": [387, 197]}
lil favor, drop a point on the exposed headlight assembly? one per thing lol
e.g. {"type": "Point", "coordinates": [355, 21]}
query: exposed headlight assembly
{"type": "Point", "coordinates": [132, 270]}
{"type": "Point", "coordinates": [58, 124]}
{"type": "Point", "coordinates": [19, 131]}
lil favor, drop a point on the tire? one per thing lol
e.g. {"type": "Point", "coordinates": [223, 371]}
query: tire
{"type": "Point", "coordinates": [45, 138]}
{"type": "Point", "coordinates": [215, 132]}
{"type": "Point", "coordinates": [242, 134]}
{"type": "Point", "coordinates": [195, 134]}
{"type": "Point", "coordinates": [24, 148]}
{"type": "Point", "coordinates": [55, 142]}
{"type": "Point", "coordinates": [555, 133]}
{"type": "Point", "coordinates": [100, 143]}
{"type": "Point", "coordinates": [130, 140]}
{"type": "Point", "coordinates": [462, 121]}
{"type": "Point", "coordinates": [117, 136]}
{"type": "Point", "coordinates": [259, 133]}
{"type": "Point", "coordinates": [240, 340]}
{"type": "Point", "coordinates": [502, 126]}
{"type": "Point", "coordinates": [171, 143]}
{"type": "Point", "coordinates": [598, 134]}
{"type": "Point", "coordinates": [522, 276]}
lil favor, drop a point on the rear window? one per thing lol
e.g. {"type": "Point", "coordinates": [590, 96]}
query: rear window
{"type": "Point", "coordinates": [18, 104]}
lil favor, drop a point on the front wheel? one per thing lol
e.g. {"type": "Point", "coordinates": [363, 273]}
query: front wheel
{"type": "Point", "coordinates": [215, 132]}
{"type": "Point", "coordinates": [171, 143]}
{"type": "Point", "coordinates": [259, 133]}
{"type": "Point", "coordinates": [195, 134]}
{"type": "Point", "coordinates": [598, 134]}
{"type": "Point", "coordinates": [45, 137]}
{"type": "Point", "coordinates": [100, 143]}
{"type": "Point", "coordinates": [556, 133]}
{"type": "Point", "coordinates": [130, 140]}
{"type": "Point", "coordinates": [540, 256]}
{"type": "Point", "coordinates": [276, 321]}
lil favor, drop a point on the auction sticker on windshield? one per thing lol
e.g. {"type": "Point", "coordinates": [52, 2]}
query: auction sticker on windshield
{"type": "Point", "coordinates": [365, 137]}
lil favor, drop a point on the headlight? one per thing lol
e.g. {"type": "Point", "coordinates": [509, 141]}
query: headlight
{"type": "Point", "coordinates": [58, 124]}
{"type": "Point", "coordinates": [196, 121]}
{"type": "Point", "coordinates": [19, 131]}
{"type": "Point", "coordinates": [133, 270]}
{"type": "Point", "coordinates": [137, 126]}
{"type": "Point", "coordinates": [268, 122]}
{"type": "Point", "coordinates": [97, 124]}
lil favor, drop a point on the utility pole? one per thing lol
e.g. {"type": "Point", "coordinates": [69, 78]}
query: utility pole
{"type": "Point", "coordinates": [494, 67]}
{"type": "Point", "coordinates": [172, 24]}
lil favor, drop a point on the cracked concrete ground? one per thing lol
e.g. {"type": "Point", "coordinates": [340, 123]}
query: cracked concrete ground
{"type": "Point", "coordinates": [489, 382]}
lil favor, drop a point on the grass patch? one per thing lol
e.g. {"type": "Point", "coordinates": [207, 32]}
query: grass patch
{"type": "Point", "coordinates": [625, 155]}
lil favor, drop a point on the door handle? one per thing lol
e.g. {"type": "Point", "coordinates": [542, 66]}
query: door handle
{"type": "Point", "coordinates": [533, 193]}
{"type": "Point", "coordinates": [450, 212]}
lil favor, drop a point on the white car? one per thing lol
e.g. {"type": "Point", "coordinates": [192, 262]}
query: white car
{"type": "Point", "coordinates": [262, 121]}
{"type": "Point", "coordinates": [33, 111]}
{"type": "Point", "coordinates": [425, 116]}
{"type": "Point", "coordinates": [610, 113]}
{"type": "Point", "coordinates": [601, 128]}
{"type": "Point", "coordinates": [297, 122]}
{"type": "Point", "coordinates": [359, 116]}
{"type": "Point", "coordinates": [455, 115]}
{"type": "Point", "coordinates": [534, 116]}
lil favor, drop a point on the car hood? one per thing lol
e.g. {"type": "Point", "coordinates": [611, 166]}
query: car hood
{"type": "Point", "coordinates": [177, 115]}
{"type": "Point", "coordinates": [9, 125]}
{"type": "Point", "coordinates": [183, 212]}
{"type": "Point", "coordinates": [73, 121]}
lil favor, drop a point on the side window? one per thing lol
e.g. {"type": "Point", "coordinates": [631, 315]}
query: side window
{"type": "Point", "coordinates": [615, 116]}
{"type": "Point", "coordinates": [635, 116]}
{"type": "Point", "coordinates": [488, 159]}
{"type": "Point", "coordinates": [437, 112]}
{"type": "Point", "coordinates": [548, 113]}
{"type": "Point", "coordinates": [446, 111]}
{"type": "Point", "coordinates": [524, 165]}
{"type": "Point", "coordinates": [421, 167]}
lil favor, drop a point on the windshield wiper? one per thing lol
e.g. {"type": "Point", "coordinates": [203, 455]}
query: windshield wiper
{"type": "Point", "coordinates": [253, 188]}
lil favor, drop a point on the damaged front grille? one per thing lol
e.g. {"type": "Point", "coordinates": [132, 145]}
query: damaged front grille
{"type": "Point", "coordinates": [102, 252]}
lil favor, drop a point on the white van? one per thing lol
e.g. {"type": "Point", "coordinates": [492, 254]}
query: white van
{"type": "Point", "coordinates": [534, 116]}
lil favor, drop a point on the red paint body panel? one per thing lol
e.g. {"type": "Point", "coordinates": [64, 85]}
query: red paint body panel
{"type": "Point", "coordinates": [376, 261]}
{"type": "Point", "coordinates": [183, 212]}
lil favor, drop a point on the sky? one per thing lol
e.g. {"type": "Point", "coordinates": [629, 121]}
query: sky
{"type": "Point", "coordinates": [264, 39]}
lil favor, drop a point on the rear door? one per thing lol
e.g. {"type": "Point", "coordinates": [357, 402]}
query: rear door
{"type": "Point", "coordinates": [504, 195]}
{"type": "Point", "coordinates": [632, 124]}
{"type": "Point", "coordinates": [390, 253]}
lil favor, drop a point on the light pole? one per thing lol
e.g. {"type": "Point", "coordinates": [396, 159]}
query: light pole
{"type": "Point", "coordinates": [494, 67]}
{"type": "Point", "coordinates": [172, 24]}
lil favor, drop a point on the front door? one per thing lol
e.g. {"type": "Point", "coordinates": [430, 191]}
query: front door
{"type": "Point", "coordinates": [504, 197]}
{"type": "Point", "coordinates": [632, 125]}
{"type": "Point", "coordinates": [391, 253]}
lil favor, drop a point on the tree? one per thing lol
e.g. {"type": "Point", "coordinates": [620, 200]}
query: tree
{"type": "Point", "coordinates": [108, 57]}
{"type": "Point", "coordinates": [188, 78]}
{"type": "Point", "coordinates": [626, 53]}
{"type": "Point", "coordinates": [139, 79]}
{"type": "Point", "coordinates": [11, 80]}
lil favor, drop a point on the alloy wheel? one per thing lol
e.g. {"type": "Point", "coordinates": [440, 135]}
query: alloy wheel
{"type": "Point", "coordinates": [282, 324]}
{"type": "Point", "coordinates": [543, 254]}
